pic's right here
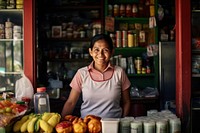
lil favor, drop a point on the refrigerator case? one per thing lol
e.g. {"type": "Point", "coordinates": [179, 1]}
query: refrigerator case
{"type": "Point", "coordinates": [11, 48]}
{"type": "Point", "coordinates": [167, 74]}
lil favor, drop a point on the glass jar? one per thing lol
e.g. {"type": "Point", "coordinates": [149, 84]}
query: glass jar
{"type": "Point", "coordinates": [122, 10]}
{"type": "Point", "coordinates": [128, 10]}
{"type": "Point", "coordinates": [136, 127]}
{"type": "Point", "coordinates": [175, 125]}
{"type": "Point", "coordinates": [149, 127]}
{"type": "Point", "coordinates": [138, 64]}
{"type": "Point", "coordinates": [134, 10]}
{"type": "Point", "coordinates": [124, 125]}
{"type": "Point", "coordinates": [110, 10]}
{"type": "Point", "coordinates": [116, 10]}
{"type": "Point", "coordinates": [10, 4]}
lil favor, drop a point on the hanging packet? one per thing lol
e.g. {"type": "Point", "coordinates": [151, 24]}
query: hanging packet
{"type": "Point", "coordinates": [23, 88]}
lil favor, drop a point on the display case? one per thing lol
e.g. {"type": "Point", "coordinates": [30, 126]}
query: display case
{"type": "Point", "coordinates": [132, 26]}
{"type": "Point", "coordinates": [11, 46]}
{"type": "Point", "coordinates": [64, 32]}
{"type": "Point", "coordinates": [195, 89]}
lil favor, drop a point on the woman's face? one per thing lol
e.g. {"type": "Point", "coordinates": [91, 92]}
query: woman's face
{"type": "Point", "coordinates": [100, 52]}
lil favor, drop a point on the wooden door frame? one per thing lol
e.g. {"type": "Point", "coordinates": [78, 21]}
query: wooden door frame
{"type": "Point", "coordinates": [30, 41]}
{"type": "Point", "coordinates": [183, 62]}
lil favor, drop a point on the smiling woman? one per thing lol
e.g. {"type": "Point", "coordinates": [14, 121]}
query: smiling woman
{"type": "Point", "coordinates": [97, 80]}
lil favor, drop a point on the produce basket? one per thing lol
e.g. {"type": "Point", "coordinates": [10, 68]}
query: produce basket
{"type": "Point", "coordinates": [8, 128]}
{"type": "Point", "coordinates": [11, 111]}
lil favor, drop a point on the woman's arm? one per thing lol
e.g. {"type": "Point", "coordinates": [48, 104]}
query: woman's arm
{"type": "Point", "coordinates": [126, 102]}
{"type": "Point", "coordinates": [70, 103]}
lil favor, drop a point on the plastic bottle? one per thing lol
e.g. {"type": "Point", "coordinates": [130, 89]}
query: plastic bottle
{"type": "Point", "coordinates": [41, 101]}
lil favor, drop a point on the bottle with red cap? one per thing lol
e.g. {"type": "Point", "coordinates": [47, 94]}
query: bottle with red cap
{"type": "Point", "coordinates": [41, 101]}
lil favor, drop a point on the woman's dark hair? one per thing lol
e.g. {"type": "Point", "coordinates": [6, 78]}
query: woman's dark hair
{"type": "Point", "coordinates": [104, 37]}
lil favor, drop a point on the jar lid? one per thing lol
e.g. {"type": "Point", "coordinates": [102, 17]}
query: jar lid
{"type": "Point", "coordinates": [41, 89]}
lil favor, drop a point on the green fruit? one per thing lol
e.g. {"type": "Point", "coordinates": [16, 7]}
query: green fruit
{"type": "Point", "coordinates": [8, 109]}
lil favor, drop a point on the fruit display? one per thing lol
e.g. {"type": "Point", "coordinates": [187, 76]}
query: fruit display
{"type": "Point", "coordinates": [94, 123]}
{"type": "Point", "coordinates": [74, 124]}
{"type": "Point", "coordinates": [34, 123]}
{"type": "Point", "coordinates": [52, 123]}
{"type": "Point", "coordinates": [64, 127]}
{"type": "Point", "coordinates": [9, 110]}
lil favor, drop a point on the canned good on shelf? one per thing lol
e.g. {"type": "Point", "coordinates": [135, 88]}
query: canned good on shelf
{"type": "Point", "coordinates": [8, 23]}
{"type": "Point", "coordinates": [118, 34]}
{"type": "Point", "coordinates": [130, 40]}
{"type": "Point", "coordinates": [19, 2]}
{"type": "Point", "coordinates": [19, 6]}
{"type": "Point", "coordinates": [17, 29]}
{"type": "Point", "coordinates": [8, 33]}
{"type": "Point", "coordinates": [124, 34]}
{"type": "Point", "coordinates": [124, 43]}
{"type": "Point", "coordinates": [118, 43]}
{"type": "Point", "coordinates": [138, 63]}
{"type": "Point", "coordinates": [17, 35]}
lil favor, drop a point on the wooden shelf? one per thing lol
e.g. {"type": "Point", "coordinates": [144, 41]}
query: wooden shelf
{"type": "Point", "coordinates": [130, 51]}
{"type": "Point", "coordinates": [196, 109]}
{"type": "Point", "coordinates": [123, 1]}
{"type": "Point", "coordinates": [131, 19]}
{"type": "Point", "coordinates": [196, 75]}
{"type": "Point", "coordinates": [141, 75]}
{"type": "Point", "coordinates": [196, 11]}
{"type": "Point", "coordinates": [74, 7]}
{"type": "Point", "coordinates": [143, 99]}
{"type": "Point", "coordinates": [11, 10]}
{"type": "Point", "coordinates": [67, 39]}
{"type": "Point", "coordinates": [10, 40]}
{"type": "Point", "coordinates": [69, 60]}
{"type": "Point", "coordinates": [196, 51]}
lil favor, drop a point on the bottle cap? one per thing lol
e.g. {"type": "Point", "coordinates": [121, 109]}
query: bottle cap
{"type": "Point", "coordinates": [41, 89]}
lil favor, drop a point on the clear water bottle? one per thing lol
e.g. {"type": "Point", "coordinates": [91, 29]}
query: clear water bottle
{"type": "Point", "coordinates": [41, 101]}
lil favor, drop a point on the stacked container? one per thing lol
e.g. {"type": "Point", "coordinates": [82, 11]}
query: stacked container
{"type": "Point", "coordinates": [17, 32]}
{"type": "Point", "coordinates": [8, 29]}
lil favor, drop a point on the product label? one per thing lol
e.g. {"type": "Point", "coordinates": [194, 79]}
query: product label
{"type": "Point", "coordinates": [134, 9]}
{"type": "Point", "coordinates": [142, 36]}
{"type": "Point", "coordinates": [42, 101]}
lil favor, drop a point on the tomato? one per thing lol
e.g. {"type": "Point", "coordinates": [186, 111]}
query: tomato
{"type": "Point", "coordinates": [6, 103]}
{"type": "Point", "coordinates": [20, 108]}
{"type": "Point", "coordinates": [1, 106]}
